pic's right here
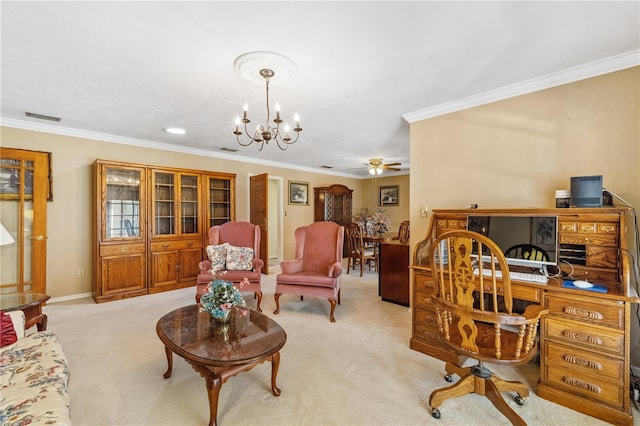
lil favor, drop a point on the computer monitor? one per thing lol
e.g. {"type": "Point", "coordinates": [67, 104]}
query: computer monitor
{"type": "Point", "coordinates": [510, 231]}
{"type": "Point", "coordinates": [586, 191]}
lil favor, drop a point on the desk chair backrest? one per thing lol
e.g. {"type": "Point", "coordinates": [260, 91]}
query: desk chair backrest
{"type": "Point", "coordinates": [474, 305]}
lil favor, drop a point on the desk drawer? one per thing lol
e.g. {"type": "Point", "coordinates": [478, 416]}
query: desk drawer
{"type": "Point", "coordinates": [590, 310]}
{"type": "Point", "coordinates": [584, 363]}
{"type": "Point", "coordinates": [423, 300]}
{"type": "Point", "coordinates": [424, 282]}
{"type": "Point", "coordinates": [593, 388]}
{"type": "Point", "coordinates": [580, 336]}
{"type": "Point", "coordinates": [427, 332]}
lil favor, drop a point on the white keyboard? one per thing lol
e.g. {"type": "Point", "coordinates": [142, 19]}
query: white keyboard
{"type": "Point", "coordinates": [520, 276]}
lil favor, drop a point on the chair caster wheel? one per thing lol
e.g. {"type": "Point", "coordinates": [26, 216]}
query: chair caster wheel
{"type": "Point", "coordinates": [519, 400]}
{"type": "Point", "coordinates": [448, 377]}
{"type": "Point", "coordinates": [435, 413]}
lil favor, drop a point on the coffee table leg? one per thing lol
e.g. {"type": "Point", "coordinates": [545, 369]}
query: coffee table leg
{"type": "Point", "coordinates": [167, 374]}
{"type": "Point", "coordinates": [214, 383]}
{"type": "Point", "coordinates": [275, 364]}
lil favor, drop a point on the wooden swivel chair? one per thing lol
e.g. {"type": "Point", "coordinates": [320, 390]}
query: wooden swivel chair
{"type": "Point", "coordinates": [357, 254]}
{"type": "Point", "coordinates": [527, 251]}
{"type": "Point", "coordinates": [479, 327]}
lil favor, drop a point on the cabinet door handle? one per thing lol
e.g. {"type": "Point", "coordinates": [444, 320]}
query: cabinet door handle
{"type": "Point", "coordinates": [123, 249]}
{"type": "Point", "coordinates": [190, 244]}
{"type": "Point", "coordinates": [164, 246]}
{"type": "Point", "coordinates": [38, 237]}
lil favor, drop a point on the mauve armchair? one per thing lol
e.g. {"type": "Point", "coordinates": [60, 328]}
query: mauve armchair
{"type": "Point", "coordinates": [237, 234]}
{"type": "Point", "coordinates": [317, 269]}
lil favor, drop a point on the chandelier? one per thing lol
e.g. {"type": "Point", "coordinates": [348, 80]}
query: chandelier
{"type": "Point", "coordinates": [265, 133]}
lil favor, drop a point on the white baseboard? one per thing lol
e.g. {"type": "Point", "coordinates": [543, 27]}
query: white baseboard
{"type": "Point", "coordinates": [68, 298]}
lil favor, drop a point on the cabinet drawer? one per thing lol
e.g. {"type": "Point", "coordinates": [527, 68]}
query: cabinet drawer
{"type": "Point", "coordinates": [589, 387]}
{"type": "Point", "coordinates": [175, 245]}
{"type": "Point", "coordinates": [121, 249]}
{"type": "Point", "coordinates": [588, 310]}
{"type": "Point", "coordinates": [581, 336]}
{"type": "Point", "coordinates": [584, 363]}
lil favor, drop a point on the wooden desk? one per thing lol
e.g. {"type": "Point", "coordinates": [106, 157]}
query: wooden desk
{"type": "Point", "coordinates": [585, 339]}
{"type": "Point", "coordinates": [393, 272]}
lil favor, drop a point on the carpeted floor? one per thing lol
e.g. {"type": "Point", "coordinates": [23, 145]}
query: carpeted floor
{"type": "Point", "coordinates": [356, 371]}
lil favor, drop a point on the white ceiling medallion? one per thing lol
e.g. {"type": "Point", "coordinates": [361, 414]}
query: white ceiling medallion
{"type": "Point", "coordinates": [248, 66]}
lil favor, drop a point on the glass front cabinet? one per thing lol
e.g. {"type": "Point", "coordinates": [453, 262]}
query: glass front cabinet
{"type": "Point", "coordinates": [176, 237]}
{"type": "Point", "coordinates": [119, 214]}
{"type": "Point", "coordinates": [152, 225]}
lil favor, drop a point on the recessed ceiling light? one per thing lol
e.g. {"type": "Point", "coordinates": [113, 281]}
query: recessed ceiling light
{"type": "Point", "coordinates": [175, 130]}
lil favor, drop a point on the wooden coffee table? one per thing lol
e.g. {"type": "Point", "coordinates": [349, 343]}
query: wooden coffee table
{"type": "Point", "coordinates": [219, 352]}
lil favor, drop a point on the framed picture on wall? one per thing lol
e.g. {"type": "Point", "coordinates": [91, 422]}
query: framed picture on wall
{"type": "Point", "coordinates": [388, 195]}
{"type": "Point", "coordinates": [299, 193]}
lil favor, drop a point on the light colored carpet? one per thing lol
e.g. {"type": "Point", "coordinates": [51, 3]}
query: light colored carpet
{"type": "Point", "coordinates": [356, 371]}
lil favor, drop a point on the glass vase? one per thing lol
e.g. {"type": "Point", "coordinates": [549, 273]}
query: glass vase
{"type": "Point", "coordinates": [223, 318]}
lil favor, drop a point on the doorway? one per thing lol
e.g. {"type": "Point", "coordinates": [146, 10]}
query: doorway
{"type": "Point", "coordinates": [269, 216]}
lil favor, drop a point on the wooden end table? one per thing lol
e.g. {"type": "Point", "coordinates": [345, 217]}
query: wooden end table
{"type": "Point", "coordinates": [221, 351]}
{"type": "Point", "coordinates": [30, 304]}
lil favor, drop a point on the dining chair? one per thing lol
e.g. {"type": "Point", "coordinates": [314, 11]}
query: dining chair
{"type": "Point", "coordinates": [357, 253]}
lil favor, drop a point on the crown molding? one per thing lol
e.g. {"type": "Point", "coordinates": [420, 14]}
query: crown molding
{"type": "Point", "coordinates": [104, 137]}
{"type": "Point", "coordinates": [592, 69]}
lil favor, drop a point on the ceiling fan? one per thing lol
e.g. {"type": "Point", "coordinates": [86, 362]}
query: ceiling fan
{"type": "Point", "coordinates": [376, 166]}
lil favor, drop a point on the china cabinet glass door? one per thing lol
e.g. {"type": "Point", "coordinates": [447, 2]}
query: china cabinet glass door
{"type": "Point", "coordinates": [122, 203]}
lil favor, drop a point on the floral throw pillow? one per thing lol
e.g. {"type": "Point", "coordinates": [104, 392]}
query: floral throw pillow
{"type": "Point", "coordinates": [239, 258]}
{"type": "Point", "coordinates": [8, 332]}
{"type": "Point", "coordinates": [217, 256]}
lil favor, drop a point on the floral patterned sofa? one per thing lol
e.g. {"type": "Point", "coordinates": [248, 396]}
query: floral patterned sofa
{"type": "Point", "coordinates": [34, 378]}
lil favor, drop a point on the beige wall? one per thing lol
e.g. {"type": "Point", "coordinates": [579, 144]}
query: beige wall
{"type": "Point", "coordinates": [69, 214]}
{"type": "Point", "coordinates": [397, 213]}
{"type": "Point", "coordinates": [517, 152]}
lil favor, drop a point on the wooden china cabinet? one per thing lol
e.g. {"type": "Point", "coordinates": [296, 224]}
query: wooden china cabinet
{"type": "Point", "coordinates": [176, 234]}
{"type": "Point", "coordinates": [151, 225]}
{"type": "Point", "coordinates": [333, 203]}
{"type": "Point", "coordinates": [119, 217]}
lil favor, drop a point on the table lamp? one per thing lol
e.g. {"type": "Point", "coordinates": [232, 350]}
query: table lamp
{"type": "Point", "coordinates": [5, 236]}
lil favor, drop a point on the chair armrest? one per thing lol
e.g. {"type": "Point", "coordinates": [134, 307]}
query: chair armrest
{"type": "Point", "coordinates": [335, 270]}
{"type": "Point", "coordinates": [257, 264]}
{"type": "Point", "coordinates": [534, 312]}
{"type": "Point", "coordinates": [291, 266]}
{"type": "Point", "coordinates": [205, 266]}
{"type": "Point", "coordinates": [18, 319]}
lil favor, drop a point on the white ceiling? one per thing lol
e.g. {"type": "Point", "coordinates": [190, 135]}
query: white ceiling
{"type": "Point", "coordinates": [123, 71]}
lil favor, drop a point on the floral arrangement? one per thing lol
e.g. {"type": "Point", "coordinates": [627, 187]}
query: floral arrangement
{"type": "Point", "coordinates": [375, 224]}
{"type": "Point", "coordinates": [221, 297]}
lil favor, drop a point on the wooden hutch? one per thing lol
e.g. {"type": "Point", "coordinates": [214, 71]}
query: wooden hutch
{"type": "Point", "coordinates": [585, 339]}
{"type": "Point", "coordinates": [150, 225]}
{"type": "Point", "coordinates": [333, 203]}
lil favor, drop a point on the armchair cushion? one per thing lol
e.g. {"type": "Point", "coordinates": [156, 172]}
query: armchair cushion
{"type": "Point", "coordinates": [217, 256]}
{"type": "Point", "coordinates": [239, 258]}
